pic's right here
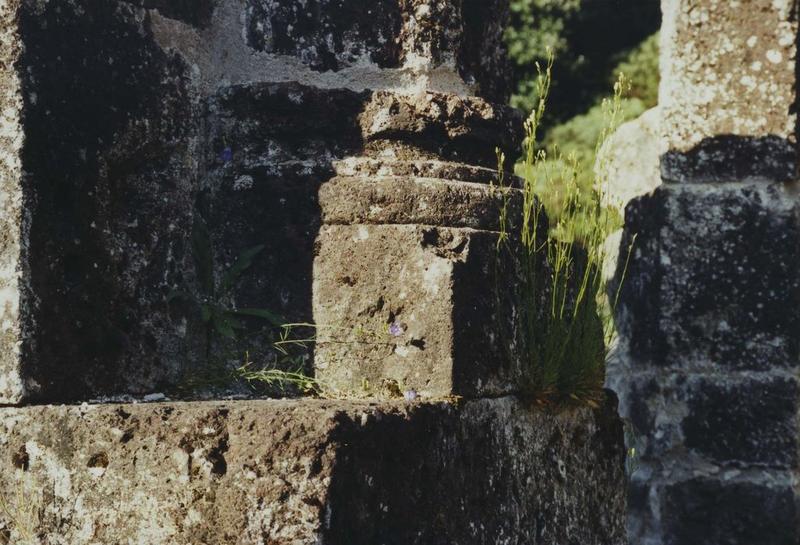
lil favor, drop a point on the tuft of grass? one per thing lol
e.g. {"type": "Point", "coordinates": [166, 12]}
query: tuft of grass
{"type": "Point", "coordinates": [22, 514]}
{"type": "Point", "coordinates": [568, 322]}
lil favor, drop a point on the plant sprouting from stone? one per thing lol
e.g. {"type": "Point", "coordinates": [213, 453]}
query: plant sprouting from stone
{"type": "Point", "coordinates": [277, 379]}
{"type": "Point", "coordinates": [568, 323]}
{"type": "Point", "coordinates": [221, 317]}
{"type": "Point", "coordinates": [226, 329]}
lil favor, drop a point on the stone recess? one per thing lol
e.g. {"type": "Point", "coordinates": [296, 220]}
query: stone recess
{"type": "Point", "coordinates": [302, 472]}
{"type": "Point", "coordinates": [99, 139]}
{"type": "Point", "coordinates": [728, 90]}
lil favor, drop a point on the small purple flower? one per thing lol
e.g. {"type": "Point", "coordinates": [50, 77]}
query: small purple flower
{"type": "Point", "coordinates": [226, 155]}
{"type": "Point", "coordinates": [395, 330]}
{"type": "Point", "coordinates": [410, 395]}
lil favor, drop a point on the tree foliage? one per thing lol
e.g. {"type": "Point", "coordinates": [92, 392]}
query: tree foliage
{"type": "Point", "coordinates": [589, 39]}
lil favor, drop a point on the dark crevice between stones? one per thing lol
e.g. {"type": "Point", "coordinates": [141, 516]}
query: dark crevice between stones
{"type": "Point", "coordinates": [216, 456]}
{"type": "Point", "coordinates": [21, 459]}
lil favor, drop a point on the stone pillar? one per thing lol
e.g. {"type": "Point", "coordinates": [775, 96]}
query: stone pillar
{"type": "Point", "coordinates": [221, 122]}
{"type": "Point", "coordinates": [144, 145]}
{"type": "Point", "coordinates": [409, 286]}
{"type": "Point", "coordinates": [708, 319]}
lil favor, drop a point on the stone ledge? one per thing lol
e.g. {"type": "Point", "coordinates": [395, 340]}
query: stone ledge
{"type": "Point", "coordinates": [425, 201]}
{"type": "Point", "coordinates": [313, 471]}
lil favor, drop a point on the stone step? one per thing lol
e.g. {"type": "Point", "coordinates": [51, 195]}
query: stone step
{"type": "Point", "coordinates": [311, 471]}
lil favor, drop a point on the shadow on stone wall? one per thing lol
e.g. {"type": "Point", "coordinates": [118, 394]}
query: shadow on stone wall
{"type": "Point", "coordinates": [122, 158]}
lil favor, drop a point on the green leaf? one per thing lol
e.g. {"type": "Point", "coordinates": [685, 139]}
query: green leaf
{"type": "Point", "coordinates": [262, 313]}
{"type": "Point", "coordinates": [243, 262]}
{"type": "Point", "coordinates": [207, 312]}
{"type": "Point", "coordinates": [224, 328]}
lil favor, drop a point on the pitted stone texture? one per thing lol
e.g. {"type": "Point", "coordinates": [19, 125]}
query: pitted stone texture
{"type": "Point", "coordinates": [677, 414]}
{"type": "Point", "coordinates": [336, 473]}
{"type": "Point", "coordinates": [710, 511]}
{"type": "Point", "coordinates": [440, 126]}
{"type": "Point", "coordinates": [194, 12]}
{"type": "Point", "coordinates": [728, 90]}
{"type": "Point", "coordinates": [712, 282]}
{"type": "Point", "coordinates": [366, 167]}
{"type": "Point", "coordinates": [424, 201]}
{"type": "Point", "coordinates": [12, 227]}
{"type": "Point", "coordinates": [100, 123]}
{"type": "Point", "coordinates": [441, 39]}
{"type": "Point", "coordinates": [401, 303]}
{"type": "Point", "coordinates": [327, 35]}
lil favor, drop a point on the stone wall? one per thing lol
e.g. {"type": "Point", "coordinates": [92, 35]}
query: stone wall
{"type": "Point", "coordinates": [147, 147]}
{"type": "Point", "coordinates": [349, 149]}
{"type": "Point", "coordinates": [708, 352]}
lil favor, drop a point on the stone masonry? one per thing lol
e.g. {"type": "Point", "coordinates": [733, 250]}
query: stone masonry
{"type": "Point", "coordinates": [347, 147]}
{"type": "Point", "coordinates": [709, 345]}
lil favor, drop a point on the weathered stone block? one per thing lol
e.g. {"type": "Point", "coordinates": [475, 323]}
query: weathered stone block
{"type": "Point", "coordinates": [98, 138]}
{"type": "Point", "coordinates": [745, 423]}
{"type": "Point", "coordinates": [728, 90]}
{"type": "Point", "coordinates": [396, 200]}
{"type": "Point", "coordinates": [430, 308]}
{"type": "Point", "coordinates": [287, 472]}
{"type": "Point", "coordinates": [440, 126]}
{"type": "Point", "coordinates": [712, 282]}
{"type": "Point", "coordinates": [709, 512]}
{"type": "Point", "coordinates": [728, 421]}
{"type": "Point", "coordinates": [453, 45]}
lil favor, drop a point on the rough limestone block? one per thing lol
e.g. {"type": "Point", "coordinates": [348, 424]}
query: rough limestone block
{"type": "Point", "coordinates": [712, 283]}
{"type": "Point", "coordinates": [759, 429]}
{"type": "Point", "coordinates": [97, 141]}
{"type": "Point", "coordinates": [629, 160]}
{"type": "Point", "coordinates": [451, 46]}
{"type": "Point", "coordinates": [288, 472]}
{"type": "Point", "coordinates": [705, 510]}
{"type": "Point", "coordinates": [435, 126]}
{"type": "Point", "coordinates": [676, 413]}
{"type": "Point", "coordinates": [430, 308]}
{"type": "Point", "coordinates": [708, 512]}
{"type": "Point", "coordinates": [401, 200]}
{"type": "Point", "coordinates": [728, 90]}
